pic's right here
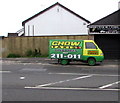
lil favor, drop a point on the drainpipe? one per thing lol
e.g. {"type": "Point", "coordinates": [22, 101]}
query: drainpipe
{"type": "Point", "coordinates": [119, 5]}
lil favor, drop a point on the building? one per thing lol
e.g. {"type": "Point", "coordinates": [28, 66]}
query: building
{"type": "Point", "coordinates": [55, 20]}
{"type": "Point", "coordinates": [106, 33]}
{"type": "Point", "coordinates": [12, 34]}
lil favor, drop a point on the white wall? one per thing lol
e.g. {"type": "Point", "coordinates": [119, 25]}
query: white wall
{"type": "Point", "coordinates": [55, 21]}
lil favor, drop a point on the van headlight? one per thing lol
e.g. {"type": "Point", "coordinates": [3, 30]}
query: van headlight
{"type": "Point", "coordinates": [101, 54]}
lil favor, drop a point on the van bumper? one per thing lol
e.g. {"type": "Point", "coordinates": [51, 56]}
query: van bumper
{"type": "Point", "coordinates": [99, 58]}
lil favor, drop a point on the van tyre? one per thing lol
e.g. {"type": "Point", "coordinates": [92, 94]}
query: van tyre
{"type": "Point", "coordinates": [64, 61]}
{"type": "Point", "coordinates": [91, 61]}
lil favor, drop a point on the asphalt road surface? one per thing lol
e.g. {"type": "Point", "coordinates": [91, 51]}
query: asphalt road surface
{"type": "Point", "coordinates": [49, 81]}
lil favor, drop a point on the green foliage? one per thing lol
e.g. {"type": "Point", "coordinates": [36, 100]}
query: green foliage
{"type": "Point", "coordinates": [12, 55]}
{"type": "Point", "coordinates": [29, 53]}
{"type": "Point", "coordinates": [35, 53]}
{"type": "Point", "coordinates": [44, 56]}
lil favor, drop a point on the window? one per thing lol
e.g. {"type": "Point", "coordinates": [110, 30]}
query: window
{"type": "Point", "coordinates": [90, 45]}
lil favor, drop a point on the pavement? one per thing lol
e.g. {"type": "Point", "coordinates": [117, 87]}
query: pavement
{"type": "Point", "coordinates": [47, 60]}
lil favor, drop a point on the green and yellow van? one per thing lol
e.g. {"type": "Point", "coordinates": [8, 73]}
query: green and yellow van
{"type": "Point", "coordinates": [70, 50]}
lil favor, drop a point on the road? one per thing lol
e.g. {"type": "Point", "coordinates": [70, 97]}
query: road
{"type": "Point", "coordinates": [49, 81]}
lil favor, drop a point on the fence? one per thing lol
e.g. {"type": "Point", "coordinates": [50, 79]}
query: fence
{"type": "Point", "coordinates": [19, 45]}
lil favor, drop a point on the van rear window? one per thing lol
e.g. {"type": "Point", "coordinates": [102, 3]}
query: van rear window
{"type": "Point", "coordinates": [90, 45]}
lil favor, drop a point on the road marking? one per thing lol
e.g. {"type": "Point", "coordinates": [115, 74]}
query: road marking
{"type": "Point", "coordinates": [5, 71]}
{"type": "Point", "coordinates": [48, 84]}
{"type": "Point", "coordinates": [22, 78]}
{"type": "Point", "coordinates": [84, 74]}
{"type": "Point", "coordinates": [109, 85]}
{"type": "Point", "coordinates": [61, 88]}
{"type": "Point", "coordinates": [33, 69]}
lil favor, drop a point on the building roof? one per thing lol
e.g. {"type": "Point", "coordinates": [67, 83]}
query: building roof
{"type": "Point", "coordinates": [12, 34]}
{"type": "Point", "coordinates": [112, 19]}
{"type": "Point", "coordinates": [23, 23]}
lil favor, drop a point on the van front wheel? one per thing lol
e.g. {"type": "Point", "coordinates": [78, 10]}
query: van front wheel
{"type": "Point", "coordinates": [91, 61]}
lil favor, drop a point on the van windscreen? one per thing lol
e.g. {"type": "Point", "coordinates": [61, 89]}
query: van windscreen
{"type": "Point", "coordinates": [90, 45]}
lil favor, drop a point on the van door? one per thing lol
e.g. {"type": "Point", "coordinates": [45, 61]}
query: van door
{"type": "Point", "coordinates": [90, 49]}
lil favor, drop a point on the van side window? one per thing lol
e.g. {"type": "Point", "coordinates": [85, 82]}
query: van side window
{"type": "Point", "coordinates": [90, 45]}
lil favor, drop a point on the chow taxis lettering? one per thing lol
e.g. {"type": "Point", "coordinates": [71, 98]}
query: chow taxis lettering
{"type": "Point", "coordinates": [65, 45]}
